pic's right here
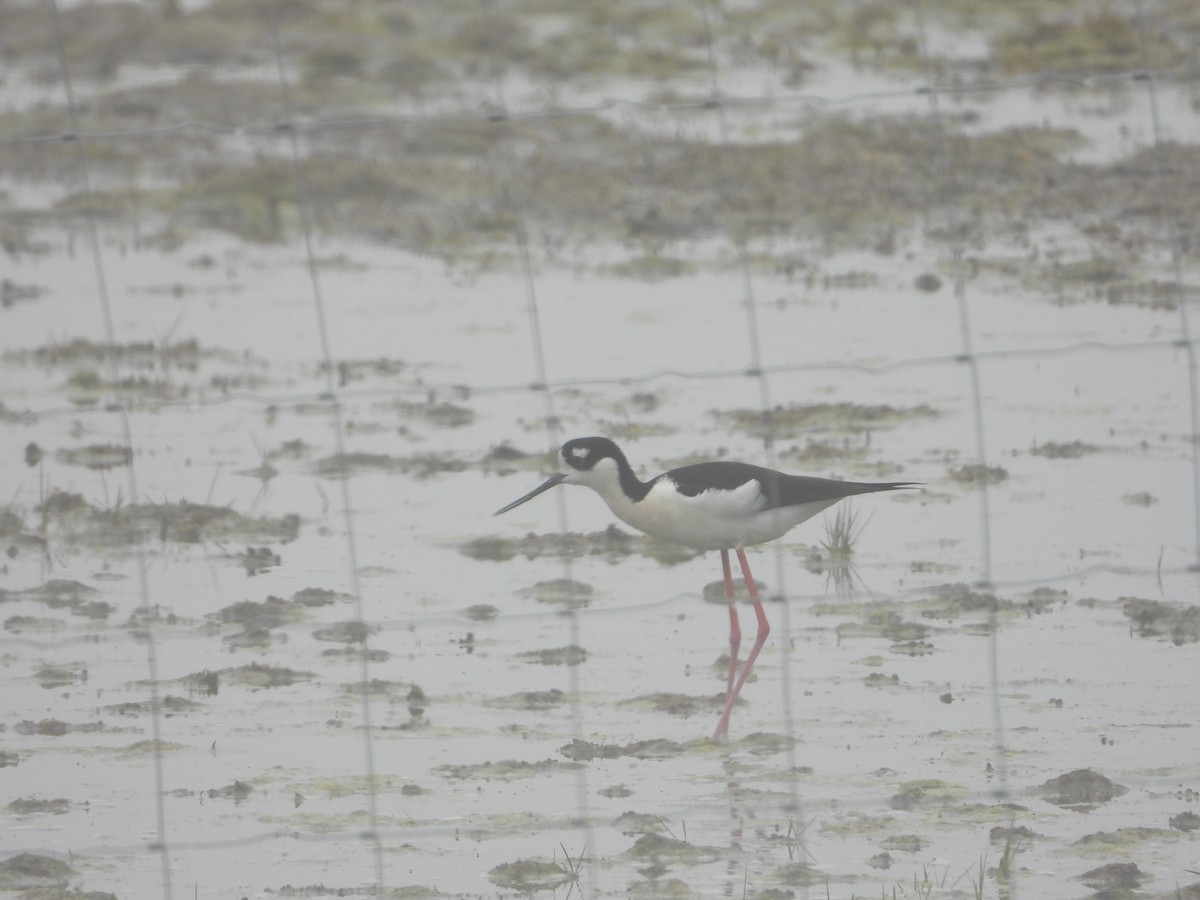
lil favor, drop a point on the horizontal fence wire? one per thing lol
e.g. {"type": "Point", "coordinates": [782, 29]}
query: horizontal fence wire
{"type": "Point", "coordinates": [706, 103]}
{"type": "Point", "coordinates": [501, 114]}
{"type": "Point", "coordinates": [466, 390]}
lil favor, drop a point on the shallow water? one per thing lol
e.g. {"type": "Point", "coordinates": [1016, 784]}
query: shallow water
{"type": "Point", "coordinates": [889, 727]}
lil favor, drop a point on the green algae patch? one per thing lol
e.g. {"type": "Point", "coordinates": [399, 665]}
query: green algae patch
{"type": "Point", "coordinates": [269, 613]}
{"type": "Point", "coordinates": [632, 823]}
{"type": "Point", "coordinates": [97, 457]}
{"type": "Point", "coordinates": [504, 770]}
{"type": "Point", "coordinates": [612, 544]}
{"type": "Point", "coordinates": [529, 700]}
{"type": "Point", "coordinates": [860, 825]}
{"type": "Point", "coordinates": [924, 793]}
{"type": "Point", "coordinates": [977, 475]}
{"type": "Point", "coordinates": [1154, 618]}
{"type": "Point", "coordinates": [56, 727]}
{"type": "Point", "coordinates": [529, 875]}
{"type": "Point", "coordinates": [762, 743]}
{"type": "Point", "coordinates": [33, 806]}
{"type": "Point", "coordinates": [556, 656]}
{"type": "Point", "coordinates": [798, 420]}
{"type": "Point", "coordinates": [344, 786]}
{"type": "Point", "coordinates": [1114, 879]}
{"type": "Point", "coordinates": [905, 843]}
{"type": "Point", "coordinates": [1063, 450]}
{"type": "Point", "coordinates": [684, 705]}
{"type": "Point", "coordinates": [169, 706]}
{"type": "Point", "coordinates": [27, 871]}
{"type": "Point", "coordinates": [122, 525]}
{"type": "Point", "coordinates": [659, 848]}
{"type": "Point", "coordinates": [655, 748]}
{"type": "Point", "coordinates": [251, 675]}
{"type": "Point", "coordinates": [1081, 790]}
{"type": "Point", "coordinates": [650, 267]}
{"type": "Point", "coordinates": [492, 549]}
{"type": "Point", "coordinates": [799, 874]}
{"type": "Point", "coordinates": [951, 601]}
{"type": "Point", "coordinates": [150, 748]}
{"type": "Point", "coordinates": [561, 591]}
{"type": "Point", "coordinates": [1102, 41]}
{"type": "Point", "coordinates": [1102, 844]}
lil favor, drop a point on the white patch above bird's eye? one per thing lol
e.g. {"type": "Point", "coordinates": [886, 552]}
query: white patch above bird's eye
{"type": "Point", "coordinates": [579, 452]}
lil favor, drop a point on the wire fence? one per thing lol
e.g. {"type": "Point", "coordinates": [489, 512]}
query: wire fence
{"type": "Point", "coordinates": [965, 361]}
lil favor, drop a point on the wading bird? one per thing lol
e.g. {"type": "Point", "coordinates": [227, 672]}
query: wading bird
{"type": "Point", "coordinates": [708, 506]}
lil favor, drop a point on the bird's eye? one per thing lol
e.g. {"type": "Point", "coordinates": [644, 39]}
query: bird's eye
{"type": "Point", "coordinates": [576, 456]}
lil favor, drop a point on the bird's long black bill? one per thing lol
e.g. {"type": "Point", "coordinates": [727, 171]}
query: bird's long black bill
{"type": "Point", "coordinates": [545, 486]}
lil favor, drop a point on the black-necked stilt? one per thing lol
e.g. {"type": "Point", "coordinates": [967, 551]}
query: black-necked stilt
{"type": "Point", "coordinates": [709, 506]}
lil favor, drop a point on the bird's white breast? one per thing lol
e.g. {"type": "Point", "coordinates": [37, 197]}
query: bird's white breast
{"type": "Point", "coordinates": [711, 520]}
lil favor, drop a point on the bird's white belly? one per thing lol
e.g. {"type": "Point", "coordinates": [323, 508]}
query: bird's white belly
{"type": "Point", "coordinates": [713, 520]}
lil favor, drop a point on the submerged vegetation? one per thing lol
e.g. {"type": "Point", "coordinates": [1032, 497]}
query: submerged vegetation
{"type": "Point", "coordinates": [424, 169]}
{"type": "Point", "coordinates": [607, 155]}
{"type": "Point", "coordinates": [73, 518]}
{"type": "Point", "coordinates": [801, 420]}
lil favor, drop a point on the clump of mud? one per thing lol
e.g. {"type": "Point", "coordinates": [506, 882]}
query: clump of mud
{"type": "Point", "coordinates": [1154, 618]}
{"type": "Point", "coordinates": [1082, 790]}
{"type": "Point", "coordinates": [612, 543]}
{"type": "Point", "coordinates": [529, 876]}
{"type": "Point", "coordinates": [33, 871]}
{"type": "Point", "coordinates": [73, 519]}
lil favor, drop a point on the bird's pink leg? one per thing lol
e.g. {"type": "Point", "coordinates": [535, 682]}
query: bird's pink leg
{"type": "Point", "coordinates": [764, 629]}
{"type": "Point", "coordinates": [735, 628]}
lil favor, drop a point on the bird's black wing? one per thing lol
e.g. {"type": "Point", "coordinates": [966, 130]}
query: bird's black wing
{"type": "Point", "coordinates": [778, 489]}
{"type": "Point", "coordinates": [719, 476]}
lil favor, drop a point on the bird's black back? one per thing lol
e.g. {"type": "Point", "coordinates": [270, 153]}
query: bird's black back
{"type": "Point", "coordinates": [778, 488]}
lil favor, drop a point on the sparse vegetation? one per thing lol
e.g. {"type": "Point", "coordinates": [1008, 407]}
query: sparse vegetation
{"type": "Point", "coordinates": [605, 155]}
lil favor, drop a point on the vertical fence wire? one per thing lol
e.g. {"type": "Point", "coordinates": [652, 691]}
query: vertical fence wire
{"type": "Point", "coordinates": [304, 205]}
{"type": "Point", "coordinates": [756, 371]}
{"type": "Point", "coordinates": [515, 200]}
{"type": "Point", "coordinates": [1166, 211]}
{"type": "Point", "coordinates": [946, 206]}
{"type": "Point", "coordinates": [119, 405]}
